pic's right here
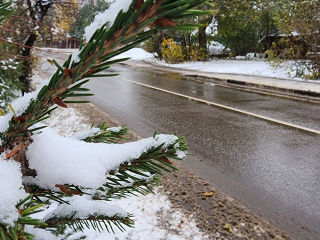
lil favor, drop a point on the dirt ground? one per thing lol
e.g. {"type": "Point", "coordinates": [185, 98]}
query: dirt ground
{"type": "Point", "coordinates": [216, 214]}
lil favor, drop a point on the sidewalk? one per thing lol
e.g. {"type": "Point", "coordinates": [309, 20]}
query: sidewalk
{"type": "Point", "coordinates": [296, 88]}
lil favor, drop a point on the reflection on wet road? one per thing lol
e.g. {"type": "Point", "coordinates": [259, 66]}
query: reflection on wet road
{"type": "Point", "coordinates": [225, 107]}
{"type": "Point", "coordinates": [271, 168]}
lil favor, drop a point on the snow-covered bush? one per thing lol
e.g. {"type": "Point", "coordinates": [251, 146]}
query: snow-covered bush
{"type": "Point", "coordinates": [38, 167]}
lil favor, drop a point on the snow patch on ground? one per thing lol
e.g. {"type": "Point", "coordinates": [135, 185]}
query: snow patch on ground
{"type": "Point", "coordinates": [240, 66]}
{"type": "Point", "coordinates": [154, 219]}
{"type": "Point", "coordinates": [245, 67]}
{"type": "Point", "coordinates": [66, 122]}
{"type": "Point", "coordinates": [135, 54]}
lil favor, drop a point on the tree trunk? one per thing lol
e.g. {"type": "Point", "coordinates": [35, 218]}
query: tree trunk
{"type": "Point", "coordinates": [27, 71]}
{"type": "Point", "coordinates": [36, 13]}
{"type": "Point", "coordinates": [202, 38]}
{"type": "Point", "coordinates": [184, 46]}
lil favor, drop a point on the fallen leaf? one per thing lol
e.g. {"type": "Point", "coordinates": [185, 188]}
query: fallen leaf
{"type": "Point", "coordinates": [179, 226]}
{"type": "Point", "coordinates": [228, 228]}
{"type": "Point", "coordinates": [206, 194]}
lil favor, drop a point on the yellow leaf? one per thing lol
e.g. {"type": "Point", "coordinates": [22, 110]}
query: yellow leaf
{"type": "Point", "coordinates": [206, 194]}
{"type": "Point", "coordinates": [228, 228]}
{"type": "Point", "coordinates": [50, 61]}
{"type": "Point", "coordinates": [11, 108]}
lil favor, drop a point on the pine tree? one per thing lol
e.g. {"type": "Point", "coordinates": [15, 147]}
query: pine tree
{"type": "Point", "coordinates": [91, 165]}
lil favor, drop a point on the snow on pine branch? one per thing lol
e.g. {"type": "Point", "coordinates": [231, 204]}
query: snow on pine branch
{"type": "Point", "coordinates": [62, 160]}
{"type": "Point", "coordinates": [108, 16]}
{"type": "Point", "coordinates": [81, 135]}
{"type": "Point", "coordinates": [4, 122]}
{"type": "Point", "coordinates": [21, 104]}
{"type": "Point", "coordinates": [82, 207]}
{"type": "Point", "coordinates": [11, 190]}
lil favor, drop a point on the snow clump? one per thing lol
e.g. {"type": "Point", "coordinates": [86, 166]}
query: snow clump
{"type": "Point", "coordinates": [62, 160]}
{"type": "Point", "coordinates": [107, 16]}
{"type": "Point", "coordinates": [11, 190]}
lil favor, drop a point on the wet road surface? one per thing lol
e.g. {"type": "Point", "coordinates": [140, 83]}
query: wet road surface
{"type": "Point", "coordinates": [270, 168]}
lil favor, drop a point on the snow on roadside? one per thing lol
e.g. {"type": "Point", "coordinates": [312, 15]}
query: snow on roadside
{"type": "Point", "coordinates": [135, 54]}
{"type": "Point", "coordinates": [154, 219]}
{"type": "Point", "coordinates": [246, 67]}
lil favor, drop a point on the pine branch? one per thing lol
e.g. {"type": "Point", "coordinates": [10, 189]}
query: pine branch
{"type": "Point", "coordinates": [44, 195]}
{"type": "Point", "coordinates": [124, 34]}
{"type": "Point", "coordinates": [26, 207]}
{"type": "Point", "coordinates": [142, 187]}
{"type": "Point", "coordinates": [96, 222]}
{"type": "Point", "coordinates": [154, 161]}
{"type": "Point", "coordinates": [5, 10]}
{"type": "Point", "coordinates": [107, 135]}
{"type": "Point", "coordinates": [14, 233]}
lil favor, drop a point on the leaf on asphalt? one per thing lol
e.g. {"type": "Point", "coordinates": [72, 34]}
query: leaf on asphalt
{"type": "Point", "coordinates": [228, 227]}
{"type": "Point", "coordinates": [206, 194]}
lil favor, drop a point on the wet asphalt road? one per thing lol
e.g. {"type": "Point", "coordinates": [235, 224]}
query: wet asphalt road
{"type": "Point", "coordinates": [272, 169]}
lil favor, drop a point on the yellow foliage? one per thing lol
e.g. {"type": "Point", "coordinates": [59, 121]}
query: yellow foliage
{"type": "Point", "coordinates": [193, 56]}
{"type": "Point", "coordinates": [67, 11]}
{"type": "Point", "coordinates": [171, 51]}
